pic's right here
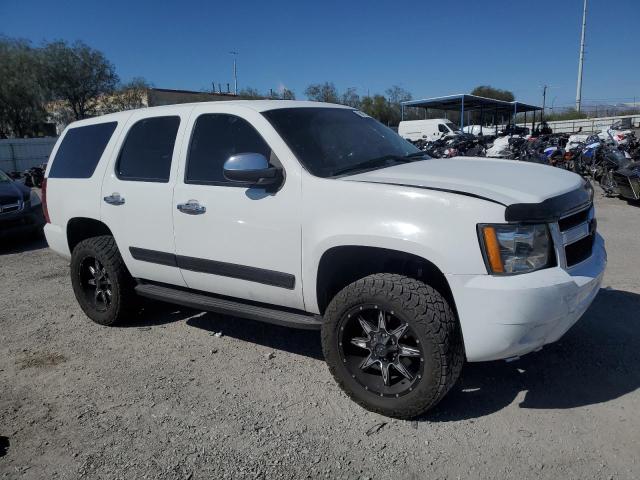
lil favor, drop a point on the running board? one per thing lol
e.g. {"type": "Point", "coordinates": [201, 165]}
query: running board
{"type": "Point", "coordinates": [200, 301]}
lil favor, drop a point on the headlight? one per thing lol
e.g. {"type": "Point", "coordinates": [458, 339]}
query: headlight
{"type": "Point", "coordinates": [34, 199]}
{"type": "Point", "coordinates": [510, 249]}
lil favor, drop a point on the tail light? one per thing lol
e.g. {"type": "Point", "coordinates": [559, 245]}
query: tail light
{"type": "Point", "coordinates": [620, 136]}
{"type": "Point", "coordinates": [44, 201]}
{"type": "Point", "coordinates": [568, 155]}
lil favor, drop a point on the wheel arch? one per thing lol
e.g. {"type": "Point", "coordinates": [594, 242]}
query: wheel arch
{"type": "Point", "coordinates": [81, 228]}
{"type": "Point", "coordinates": [341, 265]}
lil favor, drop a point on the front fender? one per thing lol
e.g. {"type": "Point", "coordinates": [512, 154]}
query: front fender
{"type": "Point", "coordinates": [437, 226]}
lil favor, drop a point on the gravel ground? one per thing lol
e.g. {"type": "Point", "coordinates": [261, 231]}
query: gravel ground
{"type": "Point", "coordinates": [167, 397]}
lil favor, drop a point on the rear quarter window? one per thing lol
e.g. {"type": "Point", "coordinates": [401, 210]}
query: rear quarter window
{"type": "Point", "coordinates": [80, 150]}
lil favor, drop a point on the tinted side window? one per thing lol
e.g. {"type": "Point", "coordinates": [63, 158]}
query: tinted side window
{"type": "Point", "coordinates": [80, 151]}
{"type": "Point", "coordinates": [442, 128]}
{"type": "Point", "coordinates": [215, 138]}
{"type": "Point", "coordinates": [148, 149]}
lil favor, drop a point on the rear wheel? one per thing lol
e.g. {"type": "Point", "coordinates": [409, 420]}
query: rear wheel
{"type": "Point", "coordinates": [393, 344]}
{"type": "Point", "coordinates": [101, 282]}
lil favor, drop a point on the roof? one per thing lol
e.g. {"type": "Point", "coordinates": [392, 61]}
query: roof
{"type": "Point", "coordinates": [256, 105]}
{"type": "Point", "coordinates": [471, 103]}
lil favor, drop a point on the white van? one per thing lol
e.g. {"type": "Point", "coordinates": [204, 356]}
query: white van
{"type": "Point", "coordinates": [430, 129]}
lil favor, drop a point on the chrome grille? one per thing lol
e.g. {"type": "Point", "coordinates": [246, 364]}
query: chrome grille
{"type": "Point", "coordinates": [576, 233]}
{"type": "Point", "coordinates": [11, 207]}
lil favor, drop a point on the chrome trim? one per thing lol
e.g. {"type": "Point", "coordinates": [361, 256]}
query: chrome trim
{"type": "Point", "coordinates": [562, 239]}
{"type": "Point", "coordinates": [19, 205]}
{"type": "Point", "coordinates": [578, 210]}
{"type": "Point", "coordinates": [576, 233]}
{"type": "Point", "coordinates": [556, 237]}
{"type": "Point", "coordinates": [192, 207]}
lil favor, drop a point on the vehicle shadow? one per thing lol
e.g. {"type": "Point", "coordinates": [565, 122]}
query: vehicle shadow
{"type": "Point", "coordinates": [4, 445]}
{"type": "Point", "coordinates": [154, 313]}
{"type": "Point", "coordinates": [300, 342]}
{"type": "Point", "coordinates": [598, 360]}
{"type": "Point", "coordinates": [23, 243]}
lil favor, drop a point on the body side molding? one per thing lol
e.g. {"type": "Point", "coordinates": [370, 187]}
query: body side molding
{"type": "Point", "coordinates": [224, 269]}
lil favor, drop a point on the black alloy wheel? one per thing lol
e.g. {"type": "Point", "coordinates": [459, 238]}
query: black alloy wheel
{"type": "Point", "coordinates": [393, 344]}
{"type": "Point", "coordinates": [96, 284]}
{"type": "Point", "coordinates": [380, 350]}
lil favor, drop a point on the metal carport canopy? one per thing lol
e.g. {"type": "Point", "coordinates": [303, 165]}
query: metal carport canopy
{"type": "Point", "coordinates": [465, 103]}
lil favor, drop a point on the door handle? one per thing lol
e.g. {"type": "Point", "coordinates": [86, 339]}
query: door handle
{"type": "Point", "coordinates": [114, 199]}
{"type": "Point", "coordinates": [192, 207]}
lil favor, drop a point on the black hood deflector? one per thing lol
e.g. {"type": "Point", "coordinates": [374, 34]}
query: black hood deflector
{"type": "Point", "coordinates": [552, 208]}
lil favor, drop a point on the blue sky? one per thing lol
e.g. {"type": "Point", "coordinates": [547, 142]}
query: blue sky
{"type": "Point", "coordinates": [431, 48]}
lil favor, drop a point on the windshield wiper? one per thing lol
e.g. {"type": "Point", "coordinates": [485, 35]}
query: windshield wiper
{"type": "Point", "coordinates": [416, 154]}
{"type": "Point", "coordinates": [373, 162]}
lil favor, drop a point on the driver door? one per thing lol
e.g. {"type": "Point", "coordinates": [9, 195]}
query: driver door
{"type": "Point", "coordinates": [242, 242]}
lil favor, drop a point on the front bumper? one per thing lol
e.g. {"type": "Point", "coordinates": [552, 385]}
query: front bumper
{"type": "Point", "coordinates": [22, 221]}
{"type": "Point", "coordinates": [503, 317]}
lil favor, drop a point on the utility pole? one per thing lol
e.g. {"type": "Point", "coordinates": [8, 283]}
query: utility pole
{"type": "Point", "coordinates": [235, 71]}
{"type": "Point", "coordinates": [581, 60]}
{"type": "Point", "coordinates": [544, 100]}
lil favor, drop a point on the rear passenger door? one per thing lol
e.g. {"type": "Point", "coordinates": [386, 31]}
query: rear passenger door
{"type": "Point", "coordinates": [137, 193]}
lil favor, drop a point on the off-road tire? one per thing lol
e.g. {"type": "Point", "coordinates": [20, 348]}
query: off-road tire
{"type": "Point", "coordinates": [429, 316]}
{"type": "Point", "coordinates": [123, 299]}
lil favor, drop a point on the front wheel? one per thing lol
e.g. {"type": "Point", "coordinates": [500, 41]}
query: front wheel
{"type": "Point", "coordinates": [393, 344]}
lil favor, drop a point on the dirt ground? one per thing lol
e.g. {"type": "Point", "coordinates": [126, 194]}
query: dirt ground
{"type": "Point", "coordinates": [164, 397]}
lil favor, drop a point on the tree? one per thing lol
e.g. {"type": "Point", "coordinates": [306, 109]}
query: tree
{"type": "Point", "coordinates": [249, 93]}
{"type": "Point", "coordinates": [322, 92]}
{"type": "Point", "coordinates": [350, 98]}
{"type": "Point", "coordinates": [288, 94]}
{"type": "Point", "coordinates": [396, 96]}
{"type": "Point", "coordinates": [128, 96]}
{"type": "Point", "coordinates": [21, 96]}
{"type": "Point", "coordinates": [491, 92]}
{"type": "Point", "coordinates": [378, 108]}
{"type": "Point", "coordinates": [78, 75]}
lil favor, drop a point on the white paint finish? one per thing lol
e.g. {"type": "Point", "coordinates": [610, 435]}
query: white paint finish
{"type": "Point", "coordinates": [505, 181]}
{"type": "Point", "coordinates": [428, 129]}
{"type": "Point", "coordinates": [57, 240]}
{"type": "Point", "coordinates": [290, 230]}
{"type": "Point", "coordinates": [437, 226]}
{"type": "Point", "coordinates": [506, 316]}
{"type": "Point", "coordinates": [243, 226]}
{"type": "Point", "coordinates": [145, 219]}
{"type": "Point", "coordinates": [69, 198]}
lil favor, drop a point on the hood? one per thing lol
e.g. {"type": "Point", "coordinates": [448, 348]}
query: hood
{"type": "Point", "coordinates": [508, 182]}
{"type": "Point", "coordinates": [10, 192]}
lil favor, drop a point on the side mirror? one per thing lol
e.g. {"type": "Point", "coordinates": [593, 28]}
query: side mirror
{"type": "Point", "coordinates": [251, 169]}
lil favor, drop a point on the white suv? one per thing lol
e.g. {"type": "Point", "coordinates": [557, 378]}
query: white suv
{"type": "Point", "coordinates": [316, 216]}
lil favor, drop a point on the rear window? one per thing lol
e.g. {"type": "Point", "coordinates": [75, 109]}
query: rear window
{"type": "Point", "coordinates": [80, 151]}
{"type": "Point", "coordinates": [147, 152]}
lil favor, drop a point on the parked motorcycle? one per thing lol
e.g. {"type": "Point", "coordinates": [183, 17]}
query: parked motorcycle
{"type": "Point", "coordinates": [34, 177]}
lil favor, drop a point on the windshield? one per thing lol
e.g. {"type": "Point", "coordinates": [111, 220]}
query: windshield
{"type": "Point", "coordinates": [4, 178]}
{"type": "Point", "coordinates": [453, 127]}
{"type": "Point", "coordinates": [336, 141]}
